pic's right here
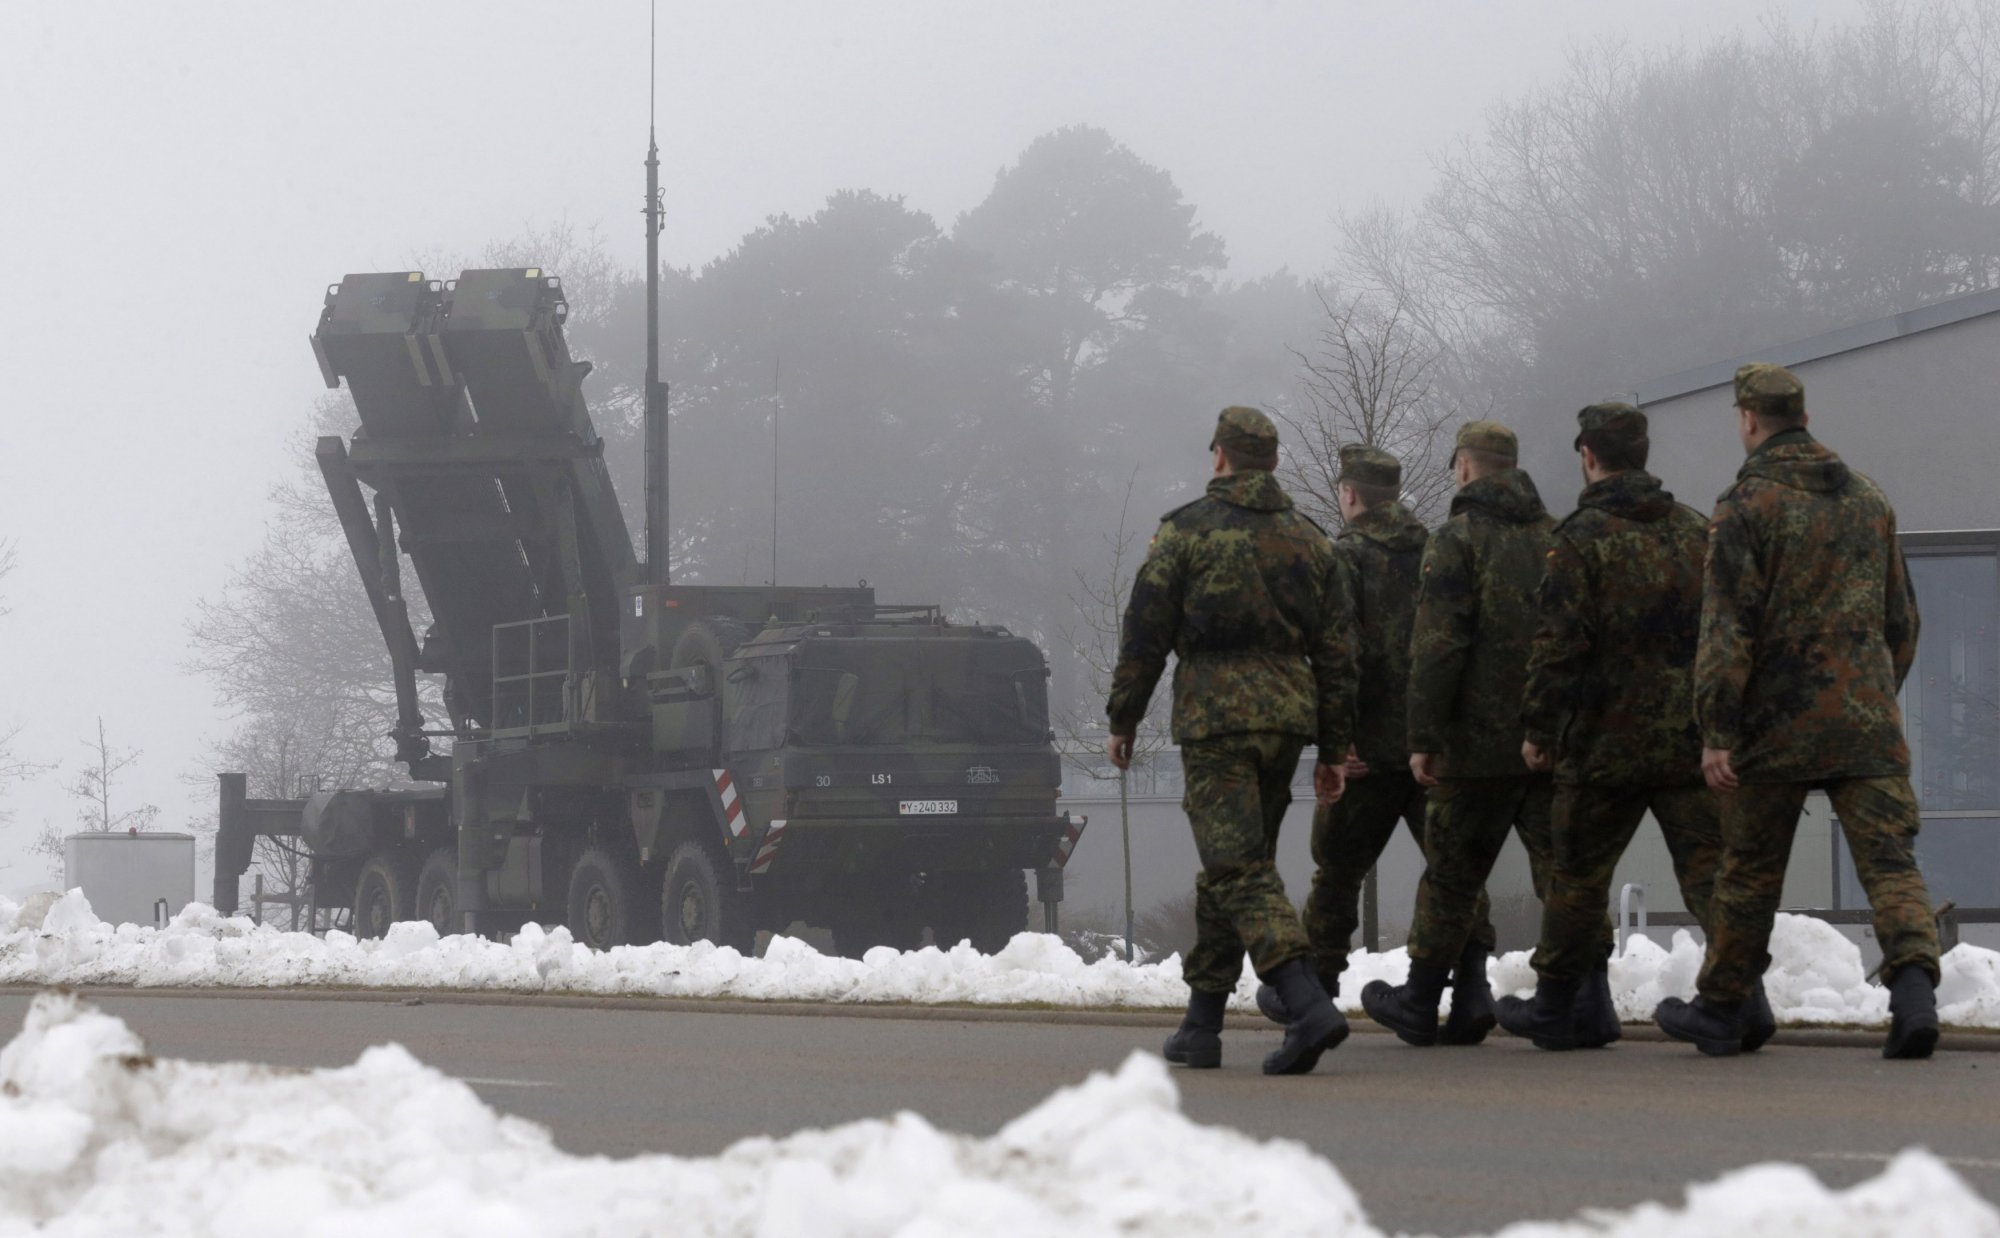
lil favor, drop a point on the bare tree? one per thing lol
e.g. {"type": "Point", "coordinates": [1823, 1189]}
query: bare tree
{"type": "Point", "coordinates": [1654, 209]}
{"type": "Point", "coordinates": [1374, 377]}
{"type": "Point", "coordinates": [16, 768]}
{"type": "Point", "coordinates": [49, 845]}
{"type": "Point", "coordinates": [1091, 633]}
{"type": "Point", "coordinates": [95, 789]}
{"type": "Point", "coordinates": [13, 767]}
{"type": "Point", "coordinates": [95, 783]}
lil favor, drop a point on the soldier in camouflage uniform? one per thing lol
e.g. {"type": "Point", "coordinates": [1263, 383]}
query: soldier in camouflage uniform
{"type": "Point", "coordinates": [1238, 587]}
{"type": "Point", "coordinates": [1376, 567]}
{"type": "Point", "coordinates": [1468, 666]}
{"type": "Point", "coordinates": [1808, 627]}
{"type": "Point", "coordinates": [1610, 706]}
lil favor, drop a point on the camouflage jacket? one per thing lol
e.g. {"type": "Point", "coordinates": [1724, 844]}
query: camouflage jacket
{"type": "Point", "coordinates": [1475, 620]}
{"type": "Point", "coordinates": [1238, 587]}
{"type": "Point", "coordinates": [1808, 621]}
{"type": "Point", "coordinates": [1611, 674]}
{"type": "Point", "coordinates": [1378, 560]}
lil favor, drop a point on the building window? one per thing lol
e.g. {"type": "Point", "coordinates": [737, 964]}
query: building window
{"type": "Point", "coordinates": [1951, 701]}
{"type": "Point", "coordinates": [1951, 714]}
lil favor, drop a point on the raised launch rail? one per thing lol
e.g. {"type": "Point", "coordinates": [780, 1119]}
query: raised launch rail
{"type": "Point", "coordinates": [487, 473]}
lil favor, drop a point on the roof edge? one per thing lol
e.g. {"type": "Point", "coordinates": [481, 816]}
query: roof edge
{"type": "Point", "coordinates": [1827, 344]}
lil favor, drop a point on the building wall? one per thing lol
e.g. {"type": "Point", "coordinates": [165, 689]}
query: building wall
{"type": "Point", "coordinates": [1920, 414]}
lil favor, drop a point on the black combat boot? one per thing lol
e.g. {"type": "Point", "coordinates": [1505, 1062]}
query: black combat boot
{"type": "Point", "coordinates": [1714, 1029]}
{"type": "Point", "coordinates": [1597, 1023]}
{"type": "Point", "coordinates": [1759, 1024]}
{"type": "Point", "coordinates": [1409, 1010]}
{"type": "Point", "coordinates": [1272, 1007]}
{"type": "Point", "coordinates": [1913, 1018]}
{"type": "Point", "coordinates": [1549, 1019]}
{"type": "Point", "coordinates": [1471, 1014]}
{"type": "Point", "coordinates": [1316, 1025]}
{"type": "Point", "coordinates": [1197, 1044]}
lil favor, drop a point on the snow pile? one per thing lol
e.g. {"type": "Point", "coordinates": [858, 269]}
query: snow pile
{"type": "Point", "coordinates": [201, 948]}
{"type": "Point", "coordinates": [95, 1138]}
{"type": "Point", "coordinates": [1915, 1194]}
{"type": "Point", "coordinates": [1816, 977]}
{"type": "Point", "coordinates": [1816, 974]}
{"type": "Point", "coordinates": [98, 1139]}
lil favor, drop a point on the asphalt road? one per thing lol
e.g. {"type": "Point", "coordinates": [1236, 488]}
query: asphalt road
{"type": "Point", "coordinates": [1436, 1141]}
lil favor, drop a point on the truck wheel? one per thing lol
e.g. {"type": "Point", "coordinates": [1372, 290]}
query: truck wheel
{"type": "Point", "coordinates": [984, 908]}
{"type": "Point", "coordinates": [384, 894]}
{"type": "Point", "coordinates": [437, 892]}
{"type": "Point", "coordinates": [605, 906]}
{"type": "Point", "coordinates": [699, 901]}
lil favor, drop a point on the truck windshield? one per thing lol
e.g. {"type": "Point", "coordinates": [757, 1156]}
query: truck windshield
{"type": "Point", "coordinates": [862, 691]}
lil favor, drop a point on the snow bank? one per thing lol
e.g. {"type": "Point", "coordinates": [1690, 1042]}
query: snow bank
{"type": "Point", "coordinates": [1915, 1194]}
{"type": "Point", "coordinates": [98, 1139]}
{"type": "Point", "coordinates": [1816, 975]}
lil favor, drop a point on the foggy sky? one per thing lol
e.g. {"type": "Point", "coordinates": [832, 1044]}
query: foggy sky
{"type": "Point", "coordinates": [184, 180]}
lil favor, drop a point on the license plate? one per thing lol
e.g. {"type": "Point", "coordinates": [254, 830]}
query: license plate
{"type": "Point", "coordinates": [927, 808]}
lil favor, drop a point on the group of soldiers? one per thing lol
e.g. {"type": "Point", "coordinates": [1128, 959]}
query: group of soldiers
{"type": "Point", "coordinates": [1558, 679]}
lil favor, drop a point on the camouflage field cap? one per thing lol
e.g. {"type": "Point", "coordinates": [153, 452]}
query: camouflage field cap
{"type": "Point", "coordinates": [1369, 466]}
{"type": "Point", "coordinates": [1488, 436]}
{"type": "Point", "coordinates": [1245, 429]}
{"type": "Point", "coordinates": [1613, 419]}
{"type": "Point", "coordinates": [1761, 381]}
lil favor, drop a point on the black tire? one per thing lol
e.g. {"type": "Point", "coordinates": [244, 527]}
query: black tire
{"type": "Point", "coordinates": [437, 892]}
{"type": "Point", "coordinates": [986, 909]}
{"type": "Point", "coordinates": [699, 901]}
{"type": "Point", "coordinates": [384, 893]}
{"type": "Point", "coordinates": [605, 906]}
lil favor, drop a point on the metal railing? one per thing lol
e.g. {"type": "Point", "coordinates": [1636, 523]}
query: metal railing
{"type": "Point", "coordinates": [531, 672]}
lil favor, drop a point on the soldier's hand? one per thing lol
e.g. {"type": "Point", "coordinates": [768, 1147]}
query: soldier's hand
{"type": "Point", "coordinates": [1119, 749]}
{"type": "Point", "coordinates": [1424, 767]}
{"type": "Point", "coordinates": [1536, 757]}
{"type": "Point", "coordinates": [1716, 769]}
{"type": "Point", "coordinates": [1329, 783]}
{"type": "Point", "coordinates": [1354, 766]}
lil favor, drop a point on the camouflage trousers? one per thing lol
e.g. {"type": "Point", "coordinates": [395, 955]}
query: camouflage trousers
{"type": "Point", "coordinates": [1347, 840]}
{"type": "Point", "coordinates": [1238, 787]}
{"type": "Point", "coordinates": [1593, 827]}
{"type": "Point", "coordinates": [1465, 825]}
{"type": "Point", "coordinates": [1879, 818]}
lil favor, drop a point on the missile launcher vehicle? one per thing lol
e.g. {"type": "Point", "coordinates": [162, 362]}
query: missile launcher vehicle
{"type": "Point", "coordinates": [635, 759]}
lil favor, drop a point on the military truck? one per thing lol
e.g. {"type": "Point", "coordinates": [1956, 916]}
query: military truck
{"type": "Point", "coordinates": [629, 757]}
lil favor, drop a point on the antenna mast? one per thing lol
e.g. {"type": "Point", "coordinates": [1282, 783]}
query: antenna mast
{"type": "Point", "coordinates": [777, 408]}
{"type": "Point", "coordinates": [657, 536]}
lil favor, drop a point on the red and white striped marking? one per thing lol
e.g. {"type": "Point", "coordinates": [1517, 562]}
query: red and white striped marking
{"type": "Point", "coordinates": [768, 849]}
{"type": "Point", "coordinates": [732, 807]}
{"type": "Point", "coordinates": [1067, 843]}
